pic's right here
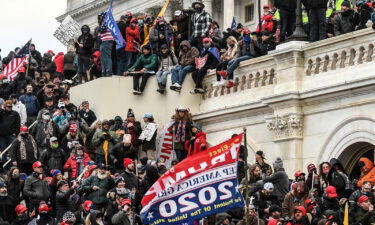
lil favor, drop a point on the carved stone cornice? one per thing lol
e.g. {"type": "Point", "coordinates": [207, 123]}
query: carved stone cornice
{"type": "Point", "coordinates": [287, 127]}
{"type": "Point", "coordinates": [84, 9]}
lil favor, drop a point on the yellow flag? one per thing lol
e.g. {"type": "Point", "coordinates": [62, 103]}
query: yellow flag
{"type": "Point", "coordinates": [346, 214]}
{"type": "Point", "coordinates": [161, 13]}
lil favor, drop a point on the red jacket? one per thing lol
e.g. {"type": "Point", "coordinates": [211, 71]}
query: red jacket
{"type": "Point", "coordinates": [59, 61]}
{"type": "Point", "coordinates": [131, 36]}
{"type": "Point", "coordinates": [267, 23]}
{"type": "Point", "coordinates": [370, 175]}
{"type": "Point", "coordinates": [197, 145]}
{"type": "Point", "coordinates": [72, 163]}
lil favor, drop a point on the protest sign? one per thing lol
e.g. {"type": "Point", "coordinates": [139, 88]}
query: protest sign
{"type": "Point", "coordinates": [67, 31]}
{"type": "Point", "coordinates": [148, 132]}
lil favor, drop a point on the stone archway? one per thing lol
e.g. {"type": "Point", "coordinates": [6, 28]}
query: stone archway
{"type": "Point", "coordinates": [348, 141]}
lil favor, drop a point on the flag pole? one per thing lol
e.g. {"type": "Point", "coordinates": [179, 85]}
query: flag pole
{"type": "Point", "coordinates": [260, 16]}
{"type": "Point", "coordinates": [247, 219]}
{"type": "Point", "coordinates": [28, 60]}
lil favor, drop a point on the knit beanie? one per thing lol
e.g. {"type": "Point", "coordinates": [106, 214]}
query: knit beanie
{"type": "Point", "coordinates": [345, 3]}
{"type": "Point", "coordinates": [278, 164]}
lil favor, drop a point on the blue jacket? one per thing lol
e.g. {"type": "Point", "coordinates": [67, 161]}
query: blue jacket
{"type": "Point", "coordinates": [31, 103]}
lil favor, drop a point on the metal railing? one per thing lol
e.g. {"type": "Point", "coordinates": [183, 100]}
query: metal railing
{"type": "Point", "coordinates": [7, 148]}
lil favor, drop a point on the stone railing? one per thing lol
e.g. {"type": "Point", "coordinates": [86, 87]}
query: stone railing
{"type": "Point", "coordinates": [340, 52]}
{"type": "Point", "coordinates": [251, 74]}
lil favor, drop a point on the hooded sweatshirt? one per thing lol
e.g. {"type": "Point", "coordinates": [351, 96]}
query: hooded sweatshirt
{"type": "Point", "coordinates": [369, 176]}
{"type": "Point", "coordinates": [187, 58]}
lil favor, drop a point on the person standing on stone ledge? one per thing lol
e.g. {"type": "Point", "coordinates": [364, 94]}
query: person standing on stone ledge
{"type": "Point", "coordinates": [347, 20]}
{"type": "Point", "coordinates": [201, 21]}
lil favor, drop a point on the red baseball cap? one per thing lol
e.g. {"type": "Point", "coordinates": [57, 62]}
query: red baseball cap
{"type": "Point", "coordinates": [126, 201]}
{"type": "Point", "coordinates": [43, 207]}
{"type": "Point", "coordinates": [127, 161]}
{"type": "Point", "coordinates": [20, 209]}
{"type": "Point", "coordinates": [73, 128]}
{"type": "Point", "coordinates": [266, 6]}
{"type": "Point", "coordinates": [246, 31]}
{"type": "Point", "coordinates": [21, 69]}
{"type": "Point", "coordinates": [87, 205]}
{"type": "Point", "coordinates": [50, 51]}
{"type": "Point", "coordinates": [331, 192]}
{"type": "Point", "coordinates": [311, 167]}
{"type": "Point", "coordinates": [206, 39]}
{"type": "Point", "coordinates": [362, 199]}
{"type": "Point", "coordinates": [23, 129]}
{"type": "Point", "coordinates": [299, 173]}
{"type": "Point", "coordinates": [301, 209]}
{"type": "Point", "coordinates": [37, 164]}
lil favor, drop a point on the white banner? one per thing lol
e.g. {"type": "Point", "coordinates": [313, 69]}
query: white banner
{"type": "Point", "coordinates": [148, 132]}
{"type": "Point", "coordinates": [68, 30]}
{"type": "Point", "coordinates": [164, 145]}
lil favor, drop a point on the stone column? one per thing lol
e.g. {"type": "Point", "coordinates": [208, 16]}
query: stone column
{"type": "Point", "coordinates": [228, 13]}
{"type": "Point", "coordinates": [208, 6]}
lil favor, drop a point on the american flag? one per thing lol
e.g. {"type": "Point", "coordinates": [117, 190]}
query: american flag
{"type": "Point", "coordinates": [11, 70]}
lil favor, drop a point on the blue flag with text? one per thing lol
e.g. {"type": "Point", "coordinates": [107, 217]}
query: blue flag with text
{"type": "Point", "coordinates": [111, 24]}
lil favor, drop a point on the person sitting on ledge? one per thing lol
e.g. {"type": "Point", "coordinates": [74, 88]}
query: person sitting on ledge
{"type": "Point", "coordinates": [144, 67]}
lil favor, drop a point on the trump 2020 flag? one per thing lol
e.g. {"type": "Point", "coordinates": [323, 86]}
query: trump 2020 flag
{"type": "Point", "coordinates": [113, 28]}
{"type": "Point", "coordinates": [200, 185]}
{"type": "Point", "coordinates": [234, 24]}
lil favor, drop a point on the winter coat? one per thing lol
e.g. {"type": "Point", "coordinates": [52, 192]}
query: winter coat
{"type": "Point", "coordinates": [131, 180]}
{"type": "Point", "coordinates": [263, 202]}
{"type": "Point", "coordinates": [21, 109]}
{"type": "Point", "coordinates": [5, 90]}
{"type": "Point", "coordinates": [99, 196]}
{"type": "Point", "coordinates": [88, 43]}
{"type": "Point", "coordinates": [196, 145]}
{"type": "Point", "coordinates": [64, 203]}
{"type": "Point", "coordinates": [150, 62]}
{"type": "Point", "coordinates": [183, 29]}
{"type": "Point", "coordinates": [146, 145]}
{"type": "Point", "coordinates": [156, 41]}
{"type": "Point", "coordinates": [37, 56]}
{"type": "Point", "coordinates": [53, 158]}
{"type": "Point", "coordinates": [31, 103]}
{"type": "Point", "coordinates": [69, 61]}
{"type": "Point", "coordinates": [230, 53]}
{"type": "Point", "coordinates": [89, 117]}
{"type": "Point", "coordinates": [339, 179]}
{"type": "Point", "coordinates": [67, 142]}
{"type": "Point", "coordinates": [134, 131]}
{"type": "Point", "coordinates": [370, 176]}
{"type": "Point", "coordinates": [59, 61]}
{"type": "Point", "coordinates": [20, 83]}
{"type": "Point", "coordinates": [41, 135]}
{"type": "Point", "coordinates": [15, 188]}
{"type": "Point", "coordinates": [7, 205]}
{"type": "Point", "coordinates": [118, 152]}
{"type": "Point", "coordinates": [187, 58]}
{"type": "Point", "coordinates": [315, 4]}
{"type": "Point", "coordinates": [289, 5]}
{"type": "Point", "coordinates": [267, 23]}
{"type": "Point", "coordinates": [291, 201]}
{"type": "Point", "coordinates": [212, 61]}
{"type": "Point", "coordinates": [166, 63]}
{"type": "Point", "coordinates": [329, 204]}
{"type": "Point", "coordinates": [99, 138]}
{"type": "Point", "coordinates": [32, 153]}
{"type": "Point", "coordinates": [10, 122]}
{"type": "Point", "coordinates": [71, 165]}
{"type": "Point", "coordinates": [120, 218]}
{"type": "Point", "coordinates": [132, 36]}
{"type": "Point", "coordinates": [35, 189]}
{"type": "Point", "coordinates": [280, 182]}
{"type": "Point", "coordinates": [364, 217]}
{"type": "Point", "coordinates": [345, 22]}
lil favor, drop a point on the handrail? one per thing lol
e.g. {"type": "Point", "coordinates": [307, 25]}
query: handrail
{"type": "Point", "coordinates": [7, 148]}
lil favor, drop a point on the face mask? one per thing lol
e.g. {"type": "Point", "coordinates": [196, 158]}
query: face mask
{"type": "Point", "coordinates": [232, 45]}
{"type": "Point", "coordinates": [140, 22]}
{"type": "Point", "coordinates": [16, 176]}
{"type": "Point", "coordinates": [24, 135]}
{"type": "Point", "coordinates": [54, 146]}
{"type": "Point", "coordinates": [198, 10]}
{"type": "Point", "coordinates": [5, 81]}
{"type": "Point", "coordinates": [207, 45]}
{"type": "Point", "coordinates": [46, 117]}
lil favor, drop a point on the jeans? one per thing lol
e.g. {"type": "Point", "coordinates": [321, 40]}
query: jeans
{"type": "Point", "coordinates": [179, 73]}
{"type": "Point", "coordinates": [131, 57]}
{"type": "Point", "coordinates": [121, 61]}
{"type": "Point", "coordinates": [317, 20]}
{"type": "Point", "coordinates": [106, 58]}
{"type": "Point", "coordinates": [161, 77]}
{"type": "Point", "coordinates": [136, 78]}
{"type": "Point", "coordinates": [234, 63]}
{"type": "Point", "coordinates": [287, 22]}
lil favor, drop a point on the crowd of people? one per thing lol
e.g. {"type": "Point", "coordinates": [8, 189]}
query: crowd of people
{"type": "Point", "coordinates": [192, 42]}
{"type": "Point", "coordinates": [61, 165]}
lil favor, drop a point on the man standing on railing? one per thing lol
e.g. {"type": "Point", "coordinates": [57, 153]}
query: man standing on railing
{"type": "Point", "coordinates": [24, 151]}
{"type": "Point", "coordinates": [317, 18]}
{"type": "Point", "coordinates": [10, 123]}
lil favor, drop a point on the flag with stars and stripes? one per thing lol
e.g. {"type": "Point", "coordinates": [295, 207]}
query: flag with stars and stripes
{"type": "Point", "coordinates": [11, 70]}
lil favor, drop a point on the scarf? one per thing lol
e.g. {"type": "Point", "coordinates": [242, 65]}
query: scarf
{"type": "Point", "coordinates": [48, 130]}
{"type": "Point", "coordinates": [23, 147]}
{"type": "Point", "coordinates": [180, 134]}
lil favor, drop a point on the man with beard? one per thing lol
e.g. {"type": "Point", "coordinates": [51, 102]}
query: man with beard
{"type": "Point", "coordinates": [97, 186]}
{"type": "Point", "coordinates": [44, 130]}
{"type": "Point", "coordinates": [299, 216]}
{"type": "Point", "coordinates": [31, 103]}
{"type": "Point", "coordinates": [21, 215]}
{"type": "Point", "coordinates": [44, 217]}
{"type": "Point", "coordinates": [36, 187]}
{"type": "Point", "coordinates": [46, 94]}
{"type": "Point", "coordinates": [104, 140]}
{"type": "Point", "coordinates": [10, 122]}
{"type": "Point", "coordinates": [24, 151]}
{"type": "Point", "coordinates": [84, 45]}
{"type": "Point", "coordinates": [264, 199]}
{"type": "Point", "coordinates": [7, 204]}
{"type": "Point", "coordinates": [129, 176]}
{"type": "Point", "coordinates": [295, 197]}
{"type": "Point", "coordinates": [53, 157]}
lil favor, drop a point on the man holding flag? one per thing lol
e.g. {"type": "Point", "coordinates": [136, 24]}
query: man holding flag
{"type": "Point", "coordinates": [201, 185]}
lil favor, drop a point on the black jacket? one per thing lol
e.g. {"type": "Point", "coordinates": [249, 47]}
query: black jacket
{"type": "Point", "coordinates": [36, 189]}
{"type": "Point", "coordinates": [37, 56]}
{"type": "Point", "coordinates": [118, 152]}
{"type": "Point", "coordinates": [315, 4]}
{"type": "Point", "coordinates": [7, 205]}
{"type": "Point", "coordinates": [64, 203]}
{"type": "Point", "coordinates": [53, 158]}
{"type": "Point", "coordinates": [345, 22]}
{"type": "Point", "coordinates": [5, 91]}
{"type": "Point", "coordinates": [280, 181]}
{"type": "Point", "coordinates": [15, 153]}
{"type": "Point", "coordinates": [10, 122]}
{"type": "Point", "coordinates": [89, 117]}
{"type": "Point", "coordinates": [131, 180]}
{"type": "Point", "coordinates": [289, 5]}
{"type": "Point", "coordinates": [88, 43]}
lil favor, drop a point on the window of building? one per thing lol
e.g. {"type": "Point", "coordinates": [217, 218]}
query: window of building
{"type": "Point", "coordinates": [249, 13]}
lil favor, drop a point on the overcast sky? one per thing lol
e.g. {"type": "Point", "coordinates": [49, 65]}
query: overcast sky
{"type": "Point", "coordinates": [25, 19]}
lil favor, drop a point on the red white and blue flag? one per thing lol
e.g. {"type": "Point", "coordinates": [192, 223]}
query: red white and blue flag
{"type": "Point", "coordinates": [200, 185]}
{"type": "Point", "coordinates": [11, 70]}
